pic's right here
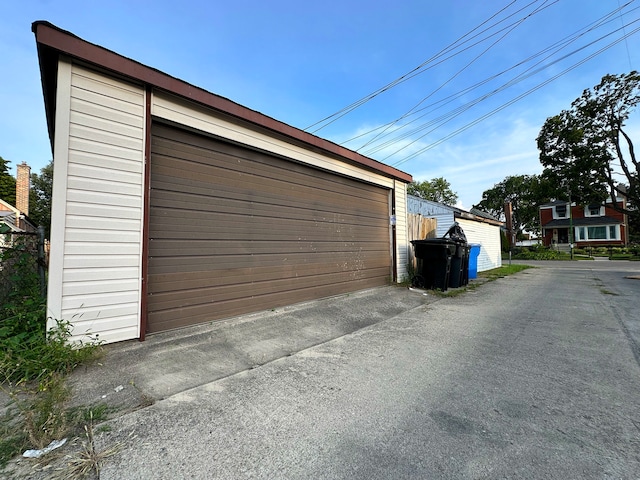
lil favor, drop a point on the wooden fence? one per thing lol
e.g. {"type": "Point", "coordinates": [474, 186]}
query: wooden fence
{"type": "Point", "coordinates": [419, 228]}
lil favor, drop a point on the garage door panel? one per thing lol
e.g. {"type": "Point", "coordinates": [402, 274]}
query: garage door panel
{"type": "Point", "coordinates": [274, 194]}
{"type": "Point", "coordinates": [255, 229]}
{"type": "Point", "coordinates": [234, 230]}
{"type": "Point", "coordinates": [178, 202]}
{"type": "Point", "coordinates": [166, 251]}
{"type": "Point", "coordinates": [248, 286]}
{"type": "Point", "coordinates": [177, 282]}
{"type": "Point", "coordinates": [234, 160]}
{"type": "Point", "coordinates": [169, 319]}
{"type": "Point", "coordinates": [214, 263]}
{"type": "Point", "coordinates": [172, 204]}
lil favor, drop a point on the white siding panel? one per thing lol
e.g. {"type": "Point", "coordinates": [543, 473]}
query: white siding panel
{"type": "Point", "coordinates": [101, 112]}
{"type": "Point", "coordinates": [100, 261]}
{"type": "Point", "coordinates": [82, 146]}
{"type": "Point", "coordinates": [112, 311]}
{"type": "Point", "coordinates": [114, 164]}
{"type": "Point", "coordinates": [107, 174]}
{"type": "Point", "coordinates": [103, 197]}
{"type": "Point", "coordinates": [402, 234]}
{"type": "Point", "coordinates": [92, 274]}
{"type": "Point", "coordinates": [102, 326]}
{"type": "Point", "coordinates": [102, 124]}
{"type": "Point", "coordinates": [113, 250]}
{"type": "Point", "coordinates": [183, 112]}
{"type": "Point", "coordinates": [105, 92]}
{"type": "Point", "coordinates": [97, 211]}
{"type": "Point", "coordinates": [75, 304]}
{"type": "Point", "coordinates": [104, 137]}
{"type": "Point", "coordinates": [101, 237]}
{"type": "Point", "coordinates": [103, 186]}
{"type": "Point", "coordinates": [97, 223]}
{"type": "Point", "coordinates": [489, 237]}
{"type": "Point", "coordinates": [111, 335]}
{"type": "Point", "coordinates": [94, 287]}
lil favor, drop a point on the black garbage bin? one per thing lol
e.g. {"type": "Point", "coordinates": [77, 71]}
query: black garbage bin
{"type": "Point", "coordinates": [458, 275]}
{"type": "Point", "coordinates": [433, 258]}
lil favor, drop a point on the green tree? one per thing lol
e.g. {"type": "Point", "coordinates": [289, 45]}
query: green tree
{"type": "Point", "coordinates": [40, 197]}
{"type": "Point", "coordinates": [7, 183]}
{"type": "Point", "coordinates": [436, 190]}
{"type": "Point", "coordinates": [587, 150]}
{"type": "Point", "coordinates": [525, 192]}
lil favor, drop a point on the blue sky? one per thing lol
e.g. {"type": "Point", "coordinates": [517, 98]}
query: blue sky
{"type": "Point", "coordinates": [300, 62]}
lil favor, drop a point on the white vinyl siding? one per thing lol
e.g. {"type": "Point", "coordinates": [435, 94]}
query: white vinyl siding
{"type": "Point", "coordinates": [402, 234]}
{"type": "Point", "coordinates": [489, 237]}
{"type": "Point", "coordinates": [98, 189]}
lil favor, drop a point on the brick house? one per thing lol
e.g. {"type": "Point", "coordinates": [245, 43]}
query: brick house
{"type": "Point", "coordinates": [593, 225]}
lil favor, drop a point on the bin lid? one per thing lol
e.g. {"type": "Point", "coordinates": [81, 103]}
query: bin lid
{"type": "Point", "coordinates": [435, 244]}
{"type": "Point", "coordinates": [433, 241]}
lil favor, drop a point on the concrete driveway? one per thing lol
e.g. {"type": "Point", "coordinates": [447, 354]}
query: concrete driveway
{"type": "Point", "coordinates": [533, 376]}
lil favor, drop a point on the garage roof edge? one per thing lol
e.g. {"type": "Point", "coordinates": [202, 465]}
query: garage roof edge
{"type": "Point", "coordinates": [51, 39]}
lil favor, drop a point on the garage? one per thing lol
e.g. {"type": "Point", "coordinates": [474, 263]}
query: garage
{"type": "Point", "coordinates": [174, 206]}
{"type": "Point", "coordinates": [234, 230]}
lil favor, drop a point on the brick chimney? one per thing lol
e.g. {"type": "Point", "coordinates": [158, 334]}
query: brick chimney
{"type": "Point", "coordinates": [23, 180]}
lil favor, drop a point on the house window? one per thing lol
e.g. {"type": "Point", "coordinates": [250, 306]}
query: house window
{"type": "Point", "coordinates": [612, 232]}
{"type": "Point", "coordinates": [597, 233]}
{"type": "Point", "coordinates": [594, 210]}
{"type": "Point", "coordinates": [581, 233]}
{"type": "Point", "coordinates": [561, 211]}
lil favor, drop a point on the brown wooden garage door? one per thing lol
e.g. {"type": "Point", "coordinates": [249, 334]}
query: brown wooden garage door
{"type": "Point", "coordinates": [233, 231]}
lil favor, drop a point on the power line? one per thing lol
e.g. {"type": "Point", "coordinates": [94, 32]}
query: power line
{"type": "Point", "coordinates": [477, 57]}
{"type": "Point", "coordinates": [522, 76]}
{"type": "Point", "coordinates": [516, 99]}
{"type": "Point", "coordinates": [568, 39]}
{"type": "Point", "coordinates": [417, 70]}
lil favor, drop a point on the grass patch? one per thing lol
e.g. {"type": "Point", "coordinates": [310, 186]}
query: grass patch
{"type": "Point", "coordinates": [487, 276]}
{"type": "Point", "coordinates": [34, 363]}
{"type": "Point", "coordinates": [502, 271]}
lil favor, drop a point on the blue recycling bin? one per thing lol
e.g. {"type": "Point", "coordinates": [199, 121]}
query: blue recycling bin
{"type": "Point", "coordinates": [473, 260]}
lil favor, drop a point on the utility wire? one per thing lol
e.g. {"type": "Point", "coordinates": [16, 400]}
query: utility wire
{"type": "Point", "coordinates": [468, 89]}
{"type": "Point", "coordinates": [417, 70]}
{"type": "Point", "coordinates": [556, 47]}
{"type": "Point", "coordinates": [529, 72]}
{"type": "Point", "coordinates": [516, 99]}
{"type": "Point", "coordinates": [476, 58]}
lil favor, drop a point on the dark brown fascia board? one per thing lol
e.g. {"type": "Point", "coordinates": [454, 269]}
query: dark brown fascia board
{"type": "Point", "coordinates": [476, 218]}
{"type": "Point", "coordinates": [48, 36]}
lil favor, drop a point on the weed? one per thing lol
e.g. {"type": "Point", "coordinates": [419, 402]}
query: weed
{"type": "Point", "coordinates": [13, 438]}
{"type": "Point", "coordinates": [89, 460]}
{"type": "Point", "coordinates": [608, 292]}
{"type": "Point", "coordinates": [34, 363]}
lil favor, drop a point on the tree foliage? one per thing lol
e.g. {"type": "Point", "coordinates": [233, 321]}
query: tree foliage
{"type": "Point", "coordinates": [7, 183]}
{"type": "Point", "coordinates": [525, 192]}
{"type": "Point", "coordinates": [587, 149]}
{"type": "Point", "coordinates": [40, 197]}
{"type": "Point", "coordinates": [436, 190]}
